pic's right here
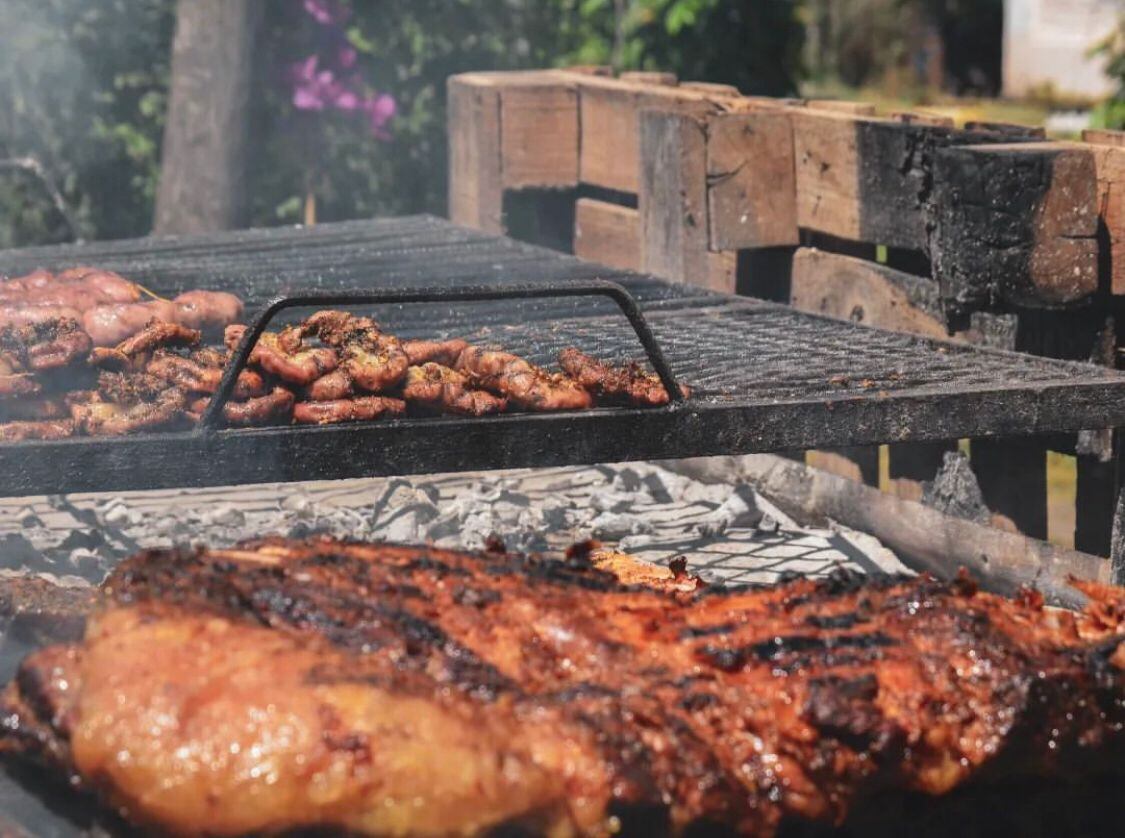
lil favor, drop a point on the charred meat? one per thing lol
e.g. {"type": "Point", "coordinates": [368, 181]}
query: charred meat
{"type": "Point", "coordinates": [372, 689]}
{"type": "Point", "coordinates": [359, 408]}
{"type": "Point", "coordinates": [438, 387]}
{"type": "Point", "coordinates": [520, 381]}
{"type": "Point", "coordinates": [629, 383]}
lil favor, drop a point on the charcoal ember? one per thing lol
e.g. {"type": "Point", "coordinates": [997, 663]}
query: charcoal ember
{"type": "Point", "coordinates": [613, 526]}
{"type": "Point", "coordinates": [224, 515]}
{"type": "Point", "coordinates": [740, 509]}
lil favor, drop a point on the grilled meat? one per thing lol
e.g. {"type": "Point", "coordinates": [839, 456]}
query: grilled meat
{"type": "Point", "coordinates": [360, 408]}
{"type": "Point", "coordinates": [134, 352]}
{"type": "Point", "coordinates": [373, 360]}
{"type": "Point", "coordinates": [16, 385]}
{"type": "Point", "coordinates": [47, 345]}
{"type": "Point", "coordinates": [334, 328]}
{"type": "Point", "coordinates": [207, 310]}
{"type": "Point", "coordinates": [444, 352]}
{"type": "Point", "coordinates": [203, 372]}
{"type": "Point", "coordinates": [629, 383]}
{"type": "Point", "coordinates": [14, 314]}
{"type": "Point", "coordinates": [284, 685]}
{"type": "Point", "coordinates": [433, 385]}
{"type": "Point", "coordinates": [79, 288]}
{"type": "Point", "coordinates": [127, 402]}
{"type": "Point", "coordinates": [112, 324]}
{"type": "Point", "coordinates": [523, 383]}
{"type": "Point", "coordinates": [335, 385]}
{"type": "Point", "coordinates": [292, 363]}
{"type": "Point", "coordinates": [269, 407]}
{"type": "Point", "coordinates": [50, 429]}
{"type": "Point", "coordinates": [16, 284]}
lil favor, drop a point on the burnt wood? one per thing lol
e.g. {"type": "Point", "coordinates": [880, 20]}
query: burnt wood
{"type": "Point", "coordinates": [764, 377]}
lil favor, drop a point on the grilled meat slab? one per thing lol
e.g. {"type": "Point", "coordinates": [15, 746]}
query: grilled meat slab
{"type": "Point", "coordinates": [376, 689]}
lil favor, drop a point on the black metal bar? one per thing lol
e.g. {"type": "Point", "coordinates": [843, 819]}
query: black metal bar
{"type": "Point", "coordinates": [211, 419]}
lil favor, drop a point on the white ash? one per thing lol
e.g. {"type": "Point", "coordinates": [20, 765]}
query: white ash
{"type": "Point", "coordinates": [726, 531]}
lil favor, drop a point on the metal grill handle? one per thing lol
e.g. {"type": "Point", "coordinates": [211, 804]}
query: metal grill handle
{"type": "Point", "coordinates": [212, 418]}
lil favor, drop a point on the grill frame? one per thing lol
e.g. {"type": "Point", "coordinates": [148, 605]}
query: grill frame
{"type": "Point", "coordinates": [950, 390]}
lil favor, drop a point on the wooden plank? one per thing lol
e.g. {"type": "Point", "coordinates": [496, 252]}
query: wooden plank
{"type": "Point", "coordinates": [607, 233]}
{"type": "Point", "coordinates": [673, 197]}
{"type": "Point", "coordinates": [751, 189]}
{"type": "Point", "coordinates": [539, 135]}
{"type": "Point", "coordinates": [1109, 165]}
{"type": "Point", "coordinates": [865, 292]}
{"type": "Point", "coordinates": [1015, 222]}
{"type": "Point", "coordinates": [710, 88]}
{"type": "Point", "coordinates": [1013, 481]}
{"type": "Point", "coordinates": [608, 113]}
{"type": "Point", "coordinates": [475, 189]}
{"type": "Point", "coordinates": [538, 126]}
{"type": "Point", "coordinates": [722, 271]}
{"type": "Point", "coordinates": [842, 106]}
{"type": "Point", "coordinates": [921, 118]}
{"type": "Point", "coordinates": [1103, 136]}
{"type": "Point", "coordinates": [869, 179]}
{"type": "Point", "coordinates": [650, 77]}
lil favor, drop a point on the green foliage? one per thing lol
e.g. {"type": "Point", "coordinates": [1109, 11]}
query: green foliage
{"type": "Point", "coordinates": [83, 85]}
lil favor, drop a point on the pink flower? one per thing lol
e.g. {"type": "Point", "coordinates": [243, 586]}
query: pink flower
{"type": "Point", "coordinates": [327, 12]}
{"type": "Point", "coordinates": [346, 57]}
{"type": "Point", "coordinates": [381, 109]}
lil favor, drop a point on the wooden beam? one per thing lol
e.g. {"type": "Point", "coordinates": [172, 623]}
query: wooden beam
{"type": "Point", "coordinates": [921, 118]}
{"type": "Point", "coordinates": [650, 77]}
{"type": "Point", "coordinates": [1103, 136]}
{"type": "Point", "coordinates": [673, 197]}
{"type": "Point", "coordinates": [1109, 165]}
{"type": "Point", "coordinates": [608, 121]}
{"type": "Point", "coordinates": [869, 179]}
{"type": "Point", "coordinates": [476, 192]}
{"type": "Point", "coordinates": [607, 233]}
{"type": "Point", "coordinates": [751, 190]}
{"type": "Point", "coordinates": [710, 88]}
{"type": "Point", "coordinates": [1015, 222]}
{"type": "Point", "coordinates": [865, 292]}
{"type": "Point", "coordinates": [842, 106]}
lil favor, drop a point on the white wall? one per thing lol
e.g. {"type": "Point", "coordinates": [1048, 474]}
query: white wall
{"type": "Point", "coordinates": [1048, 41]}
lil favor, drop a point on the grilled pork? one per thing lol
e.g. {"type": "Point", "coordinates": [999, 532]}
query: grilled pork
{"type": "Point", "coordinates": [284, 685]}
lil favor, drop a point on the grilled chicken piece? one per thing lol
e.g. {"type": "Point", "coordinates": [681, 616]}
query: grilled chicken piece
{"type": "Point", "coordinates": [200, 373]}
{"type": "Point", "coordinates": [48, 429]}
{"type": "Point", "coordinates": [127, 402]}
{"type": "Point", "coordinates": [260, 410]}
{"type": "Point", "coordinates": [444, 352]}
{"type": "Point", "coordinates": [523, 383]}
{"type": "Point", "coordinates": [292, 363]}
{"type": "Point", "coordinates": [374, 361]}
{"type": "Point", "coordinates": [360, 408]}
{"type": "Point", "coordinates": [46, 345]}
{"type": "Point", "coordinates": [402, 690]}
{"type": "Point", "coordinates": [438, 387]}
{"type": "Point", "coordinates": [133, 352]}
{"type": "Point", "coordinates": [335, 385]}
{"type": "Point", "coordinates": [630, 383]}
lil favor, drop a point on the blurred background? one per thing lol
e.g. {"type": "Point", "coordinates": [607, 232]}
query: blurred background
{"type": "Point", "coordinates": [344, 102]}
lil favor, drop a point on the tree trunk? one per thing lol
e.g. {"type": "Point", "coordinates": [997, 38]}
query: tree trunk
{"type": "Point", "coordinates": [203, 165]}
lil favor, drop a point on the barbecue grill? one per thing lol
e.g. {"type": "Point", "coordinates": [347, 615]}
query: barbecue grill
{"type": "Point", "coordinates": [763, 377]}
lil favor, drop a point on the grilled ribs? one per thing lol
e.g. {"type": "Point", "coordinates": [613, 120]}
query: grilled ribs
{"type": "Point", "coordinates": [282, 685]}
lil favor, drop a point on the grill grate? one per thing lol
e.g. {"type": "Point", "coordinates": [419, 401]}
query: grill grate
{"type": "Point", "coordinates": [764, 377]}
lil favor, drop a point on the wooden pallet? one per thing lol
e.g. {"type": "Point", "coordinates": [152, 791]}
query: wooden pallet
{"type": "Point", "coordinates": [988, 233]}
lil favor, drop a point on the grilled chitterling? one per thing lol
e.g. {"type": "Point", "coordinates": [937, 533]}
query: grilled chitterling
{"type": "Point", "coordinates": [375, 689]}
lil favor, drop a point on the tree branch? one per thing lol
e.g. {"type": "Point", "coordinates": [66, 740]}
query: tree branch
{"type": "Point", "coordinates": [32, 166]}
